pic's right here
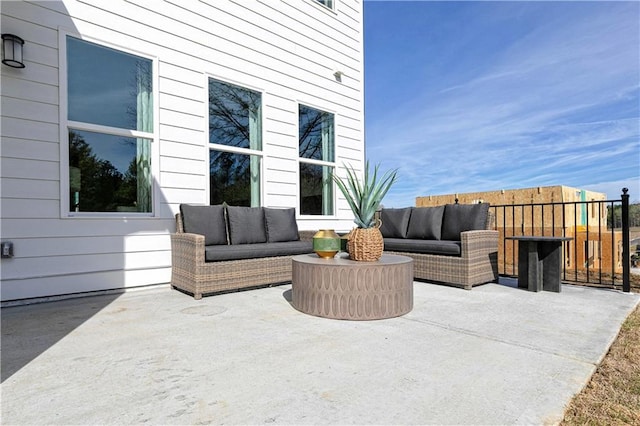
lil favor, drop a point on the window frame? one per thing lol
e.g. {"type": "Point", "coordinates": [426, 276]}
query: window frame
{"type": "Point", "coordinates": [227, 148]}
{"type": "Point", "coordinates": [299, 160]}
{"type": "Point", "coordinates": [66, 124]}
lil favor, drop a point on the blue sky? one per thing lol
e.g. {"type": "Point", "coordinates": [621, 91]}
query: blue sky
{"type": "Point", "coordinates": [479, 96]}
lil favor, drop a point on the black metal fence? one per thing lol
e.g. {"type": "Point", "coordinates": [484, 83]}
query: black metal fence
{"type": "Point", "coordinates": [598, 252]}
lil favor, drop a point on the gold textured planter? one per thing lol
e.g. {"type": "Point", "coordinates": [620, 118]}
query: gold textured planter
{"type": "Point", "coordinates": [326, 243]}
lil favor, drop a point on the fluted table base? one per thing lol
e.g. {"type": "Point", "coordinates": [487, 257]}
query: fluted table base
{"type": "Point", "coordinates": [340, 288]}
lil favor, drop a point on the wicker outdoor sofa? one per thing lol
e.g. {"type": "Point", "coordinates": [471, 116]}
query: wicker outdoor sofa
{"type": "Point", "coordinates": [222, 254]}
{"type": "Point", "coordinates": [453, 244]}
{"type": "Point", "coordinates": [242, 247]}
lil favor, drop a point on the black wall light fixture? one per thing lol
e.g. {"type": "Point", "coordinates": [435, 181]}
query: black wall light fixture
{"type": "Point", "coordinates": [12, 50]}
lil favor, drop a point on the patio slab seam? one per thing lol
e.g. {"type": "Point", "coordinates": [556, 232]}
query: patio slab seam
{"type": "Point", "coordinates": [511, 342]}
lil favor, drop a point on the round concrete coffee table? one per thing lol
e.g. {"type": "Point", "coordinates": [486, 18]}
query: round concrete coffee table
{"type": "Point", "coordinates": [340, 288]}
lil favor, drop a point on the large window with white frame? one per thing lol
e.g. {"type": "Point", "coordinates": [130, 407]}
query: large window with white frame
{"type": "Point", "coordinates": [317, 160]}
{"type": "Point", "coordinates": [110, 127]}
{"type": "Point", "coordinates": [235, 144]}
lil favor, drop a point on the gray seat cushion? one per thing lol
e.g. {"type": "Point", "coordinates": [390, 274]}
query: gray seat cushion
{"type": "Point", "coordinates": [281, 225]}
{"type": "Point", "coordinates": [463, 217]}
{"type": "Point", "coordinates": [254, 251]}
{"type": "Point", "coordinates": [426, 223]}
{"type": "Point", "coordinates": [205, 220]}
{"type": "Point", "coordinates": [395, 222]}
{"type": "Point", "coordinates": [441, 247]}
{"type": "Point", "coordinates": [246, 225]}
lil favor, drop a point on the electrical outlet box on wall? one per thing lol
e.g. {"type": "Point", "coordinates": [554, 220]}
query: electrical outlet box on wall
{"type": "Point", "coordinates": [6, 249]}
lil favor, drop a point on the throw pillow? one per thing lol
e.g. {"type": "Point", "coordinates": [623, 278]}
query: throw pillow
{"type": "Point", "coordinates": [425, 223]}
{"type": "Point", "coordinates": [463, 217]}
{"type": "Point", "coordinates": [205, 220]}
{"type": "Point", "coordinates": [281, 225]}
{"type": "Point", "coordinates": [246, 225]}
{"type": "Point", "coordinates": [395, 222]}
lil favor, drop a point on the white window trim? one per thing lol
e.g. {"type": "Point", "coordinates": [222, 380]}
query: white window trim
{"type": "Point", "coordinates": [65, 124]}
{"type": "Point", "coordinates": [316, 162]}
{"type": "Point", "coordinates": [108, 130]}
{"type": "Point", "coordinates": [313, 161]}
{"type": "Point", "coordinates": [234, 149]}
{"type": "Point", "coordinates": [226, 148]}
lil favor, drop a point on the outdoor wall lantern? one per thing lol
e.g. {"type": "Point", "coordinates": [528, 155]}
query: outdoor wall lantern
{"type": "Point", "coordinates": [12, 50]}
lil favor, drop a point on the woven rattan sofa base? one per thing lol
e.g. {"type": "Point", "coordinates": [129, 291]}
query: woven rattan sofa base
{"type": "Point", "coordinates": [191, 274]}
{"type": "Point", "coordinates": [478, 263]}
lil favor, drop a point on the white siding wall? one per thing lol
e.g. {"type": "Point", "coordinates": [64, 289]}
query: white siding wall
{"type": "Point", "coordinates": [287, 49]}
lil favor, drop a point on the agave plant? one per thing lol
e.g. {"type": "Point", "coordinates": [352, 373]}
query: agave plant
{"type": "Point", "coordinates": [364, 197]}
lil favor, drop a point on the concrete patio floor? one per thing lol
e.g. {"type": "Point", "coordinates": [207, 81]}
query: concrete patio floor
{"type": "Point", "coordinates": [493, 355]}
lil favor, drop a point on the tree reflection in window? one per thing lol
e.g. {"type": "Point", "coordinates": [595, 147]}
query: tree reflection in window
{"type": "Point", "coordinates": [231, 180]}
{"type": "Point", "coordinates": [234, 115]}
{"type": "Point", "coordinates": [316, 197]}
{"type": "Point", "coordinates": [109, 171]}
{"type": "Point", "coordinates": [315, 133]}
{"type": "Point", "coordinates": [316, 145]}
{"type": "Point", "coordinates": [103, 173]}
{"type": "Point", "coordinates": [235, 121]}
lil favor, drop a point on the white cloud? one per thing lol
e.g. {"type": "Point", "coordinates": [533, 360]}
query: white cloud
{"type": "Point", "coordinates": [613, 189]}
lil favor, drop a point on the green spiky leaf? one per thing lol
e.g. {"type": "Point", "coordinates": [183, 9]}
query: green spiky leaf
{"type": "Point", "coordinates": [364, 197]}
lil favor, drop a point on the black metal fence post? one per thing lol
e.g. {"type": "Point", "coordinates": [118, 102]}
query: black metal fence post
{"type": "Point", "coordinates": [626, 256]}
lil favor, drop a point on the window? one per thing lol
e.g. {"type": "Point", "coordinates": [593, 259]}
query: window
{"type": "Point", "coordinates": [591, 253]}
{"type": "Point", "coordinates": [316, 150]}
{"type": "Point", "coordinates": [327, 3]}
{"type": "Point", "coordinates": [110, 129]}
{"type": "Point", "coordinates": [235, 138]}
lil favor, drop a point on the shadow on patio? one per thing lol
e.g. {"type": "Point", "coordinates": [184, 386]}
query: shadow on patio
{"type": "Point", "coordinates": [30, 330]}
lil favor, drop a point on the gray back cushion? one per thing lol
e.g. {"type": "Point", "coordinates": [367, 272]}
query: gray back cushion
{"type": "Point", "coordinates": [395, 222]}
{"type": "Point", "coordinates": [463, 217]}
{"type": "Point", "coordinates": [205, 220]}
{"type": "Point", "coordinates": [281, 225]}
{"type": "Point", "coordinates": [425, 223]}
{"type": "Point", "coordinates": [246, 225]}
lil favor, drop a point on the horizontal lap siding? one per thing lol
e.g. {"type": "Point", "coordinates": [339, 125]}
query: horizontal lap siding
{"type": "Point", "coordinates": [341, 52]}
{"type": "Point", "coordinates": [288, 50]}
{"type": "Point", "coordinates": [55, 285]}
{"type": "Point", "coordinates": [53, 255]}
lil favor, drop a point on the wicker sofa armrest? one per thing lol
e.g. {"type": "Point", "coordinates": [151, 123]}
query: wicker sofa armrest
{"type": "Point", "coordinates": [478, 243]}
{"type": "Point", "coordinates": [306, 235]}
{"type": "Point", "coordinates": [187, 248]}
